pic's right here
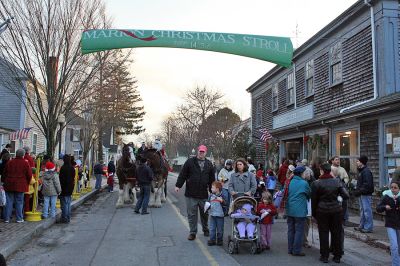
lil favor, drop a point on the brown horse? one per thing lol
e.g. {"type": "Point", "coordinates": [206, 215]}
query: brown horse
{"type": "Point", "coordinates": [160, 169]}
{"type": "Point", "coordinates": [126, 172]}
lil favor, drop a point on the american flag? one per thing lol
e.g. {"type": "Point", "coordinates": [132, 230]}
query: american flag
{"type": "Point", "coordinates": [20, 133]}
{"type": "Point", "coordinates": [265, 135]}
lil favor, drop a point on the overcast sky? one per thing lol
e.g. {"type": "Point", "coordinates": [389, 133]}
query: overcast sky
{"type": "Point", "coordinates": [164, 74]}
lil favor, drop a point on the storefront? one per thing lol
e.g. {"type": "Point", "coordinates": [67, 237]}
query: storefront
{"type": "Point", "coordinates": [390, 151]}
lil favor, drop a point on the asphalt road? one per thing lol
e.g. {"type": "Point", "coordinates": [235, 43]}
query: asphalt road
{"type": "Point", "coordinates": [99, 234]}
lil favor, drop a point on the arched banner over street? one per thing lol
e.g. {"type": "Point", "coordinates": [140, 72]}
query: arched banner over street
{"type": "Point", "coordinates": [278, 50]}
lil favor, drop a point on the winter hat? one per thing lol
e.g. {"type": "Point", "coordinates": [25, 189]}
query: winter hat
{"type": "Point", "coordinates": [299, 170]}
{"type": "Point", "coordinates": [247, 207]}
{"type": "Point", "coordinates": [304, 161]}
{"type": "Point", "coordinates": [50, 166]}
{"type": "Point", "coordinates": [363, 159]}
{"type": "Point", "coordinates": [291, 168]}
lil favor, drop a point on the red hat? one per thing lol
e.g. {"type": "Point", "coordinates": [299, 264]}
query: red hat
{"type": "Point", "coordinates": [50, 166]}
{"type": "Point", "coordinates": [202, 148]}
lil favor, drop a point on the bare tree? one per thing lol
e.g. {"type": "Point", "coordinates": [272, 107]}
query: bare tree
{"type": "Point", "coordinates": [43, 44]}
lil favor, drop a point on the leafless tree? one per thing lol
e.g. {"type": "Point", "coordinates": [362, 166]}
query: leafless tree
{"type": "Point", "coordinates": [43, 47]}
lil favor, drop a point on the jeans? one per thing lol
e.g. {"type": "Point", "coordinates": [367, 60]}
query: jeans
{"type": "Point", "coordinates": [366, 221]}
{"type": "Point", "coordinates": [216, 228]}
{"type": "Point", "coordinates": [193, 206]}
{"type": "Point", "coordinates": [49, 202]}
{"type": "Point", "coordinates": [65, 208]}
{"type": "Point", "coordinates": [144, 197]}
{"type": "Point", "coordinates": [330, 223]}
{"type": "Point", "coordinates": [306, 230]}
{"type": "Point", "coordinates": [295, 233]}
{"type": "Point", "coordinates": [99, 178]}
{"type": "Point", "coordinates": [18, 198]}
{"type": "Point", "coordinates": [110, 188]}
{"type": "Point", "coordinates": [394, 238]}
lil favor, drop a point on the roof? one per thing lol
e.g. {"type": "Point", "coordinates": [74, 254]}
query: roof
{"type": "Point", "coordinates": [332, 26]}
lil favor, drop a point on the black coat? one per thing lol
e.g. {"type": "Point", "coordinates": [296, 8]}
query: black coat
{"type": "Point", "coordinates": [392, 218]}
{"type": "Point", "coordinates": [324, 194]}
{"type": "Point", "coordinates": [365, 182]}
{"type": "Point", "coordinates": [198, 183]}
{"type": "Point", "coordinates": [111, 167]}
{"type": "Point", "coordinates": [67, 180]}
{"type": "Point", "coordinates": [144, 174]}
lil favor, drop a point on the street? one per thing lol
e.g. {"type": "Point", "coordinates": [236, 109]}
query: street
{"type": "Point", "coordinates": [100, 234]}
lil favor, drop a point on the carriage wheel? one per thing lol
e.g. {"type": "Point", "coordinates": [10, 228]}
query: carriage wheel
{"type": "Point", "coordinates": [253, 248]}
{"type": "Point", "coordinates": [231, 247]}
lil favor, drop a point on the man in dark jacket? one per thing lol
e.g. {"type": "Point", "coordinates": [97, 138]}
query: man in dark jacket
{"type": "Point", "coordinates": [67, 181]}
{"type": "Point", "coordinates": [98, 172]}
{"type": "Point", "coordinates": [5, 150]}
{"type": "Point", "coordinates": [198, 173]}
{"type": "Point", "coordinates": [364, 190]}
{"type": "Point", "coordinates": [18, 176]}
{"type": "Point", "coordinates": [145, 176]}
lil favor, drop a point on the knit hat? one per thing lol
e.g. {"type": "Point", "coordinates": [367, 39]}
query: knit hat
{"type": "Point", "coordinates": [363, 159]}
{"type": "Point", "coordinates": [50, 166]}
{"type": "Point", "coordinates": [299, 170]}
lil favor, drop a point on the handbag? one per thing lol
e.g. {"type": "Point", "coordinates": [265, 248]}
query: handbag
{"type": "Point", "coordinates": [3, 198]}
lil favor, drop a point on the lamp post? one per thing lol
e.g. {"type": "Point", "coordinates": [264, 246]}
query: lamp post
{"type": "Point", "coordinates": [61, 121]}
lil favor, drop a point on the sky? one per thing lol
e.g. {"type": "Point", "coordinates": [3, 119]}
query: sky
{"type": "Point", "coordinates": [165, 74]}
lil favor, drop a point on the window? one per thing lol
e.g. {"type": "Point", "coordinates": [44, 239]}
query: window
{"type": "Point", "coordinates": [347, 148]}
{"type": "Point", "coordinates": [310, 78]}
{"type": "Point", "coordinates": [75, 134]}
{"type": "Point", "coordinates": [258, 112]}
{"type": "Point", "coordinates": [34, 143]}
{"type": "Point", "coordinates": [275, 97]}
{"type": "Point", "coordinates": [392, 148]}
{"type": "Point", "coordinates": [290, 89]}
{"type": "Point", "coordinates": [336, 64]}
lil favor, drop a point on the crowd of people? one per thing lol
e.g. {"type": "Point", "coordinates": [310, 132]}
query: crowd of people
{"type": "Point", "coordinates": [301, 193]}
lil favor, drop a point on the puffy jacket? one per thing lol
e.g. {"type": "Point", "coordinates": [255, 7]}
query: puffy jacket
{"type": "Point", "coordinates": [298, 195]}
{"type": "Point", "coordinates": [242, 183]}
{"type": "Point", "coordinates": [198, 183]}
{"type": "Point", "coordinates": [67, 179]}
{"type": "Point", "coordinates": [269, 218]}
{"type": "Point", "coordinates": [324, 194]}
{"type": "Point", "coordinates": [144, 174]}
{"type": "Point", "coordinates": [111, 167]}
{"type": "Point", "coordinates": [98, 169]}
{"type": "Point", "coordinates": [51, 184]}
{"type": "Point", "coordinates": [18, 175]}
{"type": "Point", "coordinates": [224, 175]}
{"type": "Point", "coordinates": [365, 182]}
{"type": "Point", "coordinates": [392, 218]}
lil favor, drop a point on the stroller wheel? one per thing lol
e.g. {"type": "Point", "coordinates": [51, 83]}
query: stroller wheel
{"type": "Point", "coordinates": [259, 249]}
{"type": "Point", "coordinates": [231, 247]}
{"type": "Point", "coordinates": [253, 248]}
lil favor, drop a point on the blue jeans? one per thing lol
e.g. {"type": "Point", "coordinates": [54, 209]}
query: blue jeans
{"type": "Point", "coordinates": [144, 197]}
{"type": "Point", "coordinates": [295, 233]}
{"type": "Point", "coordinates": [18, 198]}
{"type": "Point", "coordinates": [216, 228]}
{"type": "Point", "coordinates": [99, 178]}
{"type": "Point", "coordinates": [49, 202]}
{"type": "Point", "coordinates": [394, 238]}
{"type": "Point", "coordinates": [65, 208]}
{"type": "Point", "coordinates": [366, 217]}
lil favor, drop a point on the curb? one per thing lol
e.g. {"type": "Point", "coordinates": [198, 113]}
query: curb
{"type": "Point", "coordinates": [25, 238]}
{"type": "Point", "coordinates": [367, 239]}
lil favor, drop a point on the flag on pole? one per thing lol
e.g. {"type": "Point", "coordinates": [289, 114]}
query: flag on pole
{"type": "Point", "coordinates": [265, 135]}
{"type": "Point", "coordinates": [20, 133]}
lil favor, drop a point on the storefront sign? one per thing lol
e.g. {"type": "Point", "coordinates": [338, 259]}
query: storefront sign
{"type": "Point", "coordinates": [295, 116]}
{"type": "Point", "coordinates": [278, 50]}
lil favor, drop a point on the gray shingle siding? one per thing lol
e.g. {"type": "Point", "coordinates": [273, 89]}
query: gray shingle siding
{"type": "Point", "coordinates": [9, 103]}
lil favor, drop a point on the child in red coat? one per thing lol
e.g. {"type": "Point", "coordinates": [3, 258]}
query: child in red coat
{"type": "Point", "coordinates": [266, 210]}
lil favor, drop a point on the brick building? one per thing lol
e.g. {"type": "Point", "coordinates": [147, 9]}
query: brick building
{"type": "Point", "coordinates": [341, 96]}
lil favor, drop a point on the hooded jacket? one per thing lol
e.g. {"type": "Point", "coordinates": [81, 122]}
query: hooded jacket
{"type": "Point", "coordinates": [392, 218]}
{"type": "Point", "coordinates": [51, 184]}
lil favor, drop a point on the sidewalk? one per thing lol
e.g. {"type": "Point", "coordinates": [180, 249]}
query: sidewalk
{"type": "Point", "coordinates": [15, 235]}
{"type": "Point", "coordinates": [378, 238]}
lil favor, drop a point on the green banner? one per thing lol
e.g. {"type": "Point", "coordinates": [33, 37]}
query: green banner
{"type": "Point", "coordinates": [277, 50]}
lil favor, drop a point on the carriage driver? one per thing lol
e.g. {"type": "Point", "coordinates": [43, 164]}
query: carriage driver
{"type": "Point", "coordinates": [198, 173]}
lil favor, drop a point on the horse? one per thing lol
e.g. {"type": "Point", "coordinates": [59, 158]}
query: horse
{"type": "Point", "coordinates": [160, 169]}
{"type": "Point", "coordinates": [126, 172]}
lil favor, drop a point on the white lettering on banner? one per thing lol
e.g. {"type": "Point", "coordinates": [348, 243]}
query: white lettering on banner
{"type": "Point", "coordinates": [295, 116]}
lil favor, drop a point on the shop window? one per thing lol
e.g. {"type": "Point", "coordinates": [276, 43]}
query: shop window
{"type": "Point", "coordinates": [347, 148]}
{"type": "Point", "coordinates": [392, 147]}
{"type": "Point", "coordinates": [316, 147]}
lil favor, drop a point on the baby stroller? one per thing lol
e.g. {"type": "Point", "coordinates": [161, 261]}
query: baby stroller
{"type": "Point", "coordinates": [234, 239]}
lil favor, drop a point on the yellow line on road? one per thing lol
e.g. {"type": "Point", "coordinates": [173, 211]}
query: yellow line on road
{"type": "Point", "coordinates": [203, 248]}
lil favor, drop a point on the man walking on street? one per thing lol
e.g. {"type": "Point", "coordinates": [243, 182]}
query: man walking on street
{"type": "Point", "coordinates": [198, 173]}
{"type": "Point", "coordinates": [364, 190]}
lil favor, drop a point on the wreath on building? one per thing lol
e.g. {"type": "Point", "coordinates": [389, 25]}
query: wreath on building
{"type": "Point", "coordinates": [272, 146]}
{"type": "Point", "coordinates": [314, 141]}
